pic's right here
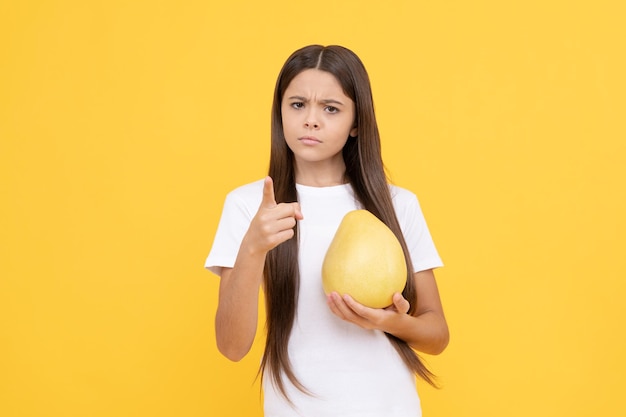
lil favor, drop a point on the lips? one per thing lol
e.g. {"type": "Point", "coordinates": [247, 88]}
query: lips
{"type": "Point", "coordinates": [309, 140]}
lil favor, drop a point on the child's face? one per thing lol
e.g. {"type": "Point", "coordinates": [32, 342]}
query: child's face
{"type": "Point", "coordinates": [317, 118]}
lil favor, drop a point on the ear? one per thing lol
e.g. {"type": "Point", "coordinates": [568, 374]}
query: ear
{"type": "Point", "coordinates": [354, 132]}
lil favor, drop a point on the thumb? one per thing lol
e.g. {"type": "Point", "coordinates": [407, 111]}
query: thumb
{"type": "Point", "coordinates": [269, 200]}
{"type": "Point", "coordinates": [400, 303]}
{"type": "Point", "coordinates": [298, 210]}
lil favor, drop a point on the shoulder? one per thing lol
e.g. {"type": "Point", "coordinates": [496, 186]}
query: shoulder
{"type": "Point", "coordinates": [247, 195]}
{"type": "Point", "coordinates": [246, 190]}
{"type": "Point", "coordinates": [402, 196]}
{"type": "Point", "coordinates": [405, 202]}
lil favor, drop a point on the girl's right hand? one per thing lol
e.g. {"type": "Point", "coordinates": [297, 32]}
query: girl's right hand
{"type": "Point", "coordinates": [273, 223]}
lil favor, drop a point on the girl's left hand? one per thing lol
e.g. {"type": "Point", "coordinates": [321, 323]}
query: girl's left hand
{"type": "Point", "coordinates": [350, 310]}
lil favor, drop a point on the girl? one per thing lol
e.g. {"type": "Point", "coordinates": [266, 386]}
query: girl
{"type": "Point", "coordinates": [324, 355]}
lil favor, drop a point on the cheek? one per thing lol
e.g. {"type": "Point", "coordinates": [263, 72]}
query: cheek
{"type": "Point", "coordinates": [286, 120]}
{"type": "Point", "coordinates": [289, 133]}
{"type": "Point", "coordinates": [287, 127]}
{"type": "Point", "coordinates": [290, 124]}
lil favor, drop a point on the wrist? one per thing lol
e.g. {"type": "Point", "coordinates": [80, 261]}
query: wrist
{"type": "Point", "coordinates": [252, 251]}
{"type": "Point", "coordinates": [398, 325]}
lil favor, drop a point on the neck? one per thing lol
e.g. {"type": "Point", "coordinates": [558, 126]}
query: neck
{"type": "Point", "coordinates": [316, 182]}
{"type": "Point", "coordinates": [314, 175]}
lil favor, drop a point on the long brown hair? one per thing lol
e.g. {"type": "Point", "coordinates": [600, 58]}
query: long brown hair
{"type": "Point", "coordinates": [366, 174]}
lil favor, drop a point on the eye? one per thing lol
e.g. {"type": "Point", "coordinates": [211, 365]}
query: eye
{"type": "Point", "coordinates": [331, 109]}
{"type": "Point", "coordinates": [297, 105]}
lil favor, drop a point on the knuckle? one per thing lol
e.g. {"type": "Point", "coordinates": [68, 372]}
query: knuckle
{"type": "Point", "coordinates": [289, 233]}
{"type": "Point", "coordinates": [266, 229]}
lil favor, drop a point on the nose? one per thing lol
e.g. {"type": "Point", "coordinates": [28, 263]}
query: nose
{"type": "Point", "coordinates": [311, 122]}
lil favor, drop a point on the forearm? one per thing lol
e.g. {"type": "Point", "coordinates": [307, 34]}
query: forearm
{"type": "Point", "coordinates": [237, 311]}
{"type": "Point", "coordinates": [426, 333]}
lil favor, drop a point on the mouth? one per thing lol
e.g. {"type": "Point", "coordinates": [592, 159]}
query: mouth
{"type": "Point", "coordinates": [309, 140]}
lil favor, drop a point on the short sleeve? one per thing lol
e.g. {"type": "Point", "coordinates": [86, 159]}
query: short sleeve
{"type": "Point", "coordinates": [420, 244]}
{"type": "Point", "coordinates": [233, 225]}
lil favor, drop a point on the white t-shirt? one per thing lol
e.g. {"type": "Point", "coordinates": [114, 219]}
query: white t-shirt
{"type": "Point", "coordinates": [351, 372]}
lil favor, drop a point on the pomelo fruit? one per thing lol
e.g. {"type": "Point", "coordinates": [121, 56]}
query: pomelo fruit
{"type": "Point", "coordinates": [364, 260]}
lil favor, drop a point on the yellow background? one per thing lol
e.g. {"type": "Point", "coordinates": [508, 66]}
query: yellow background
{"type": "Point", "coordinates": [124, 123]}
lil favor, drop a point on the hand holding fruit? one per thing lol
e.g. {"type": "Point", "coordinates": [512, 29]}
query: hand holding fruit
{"type": "Point", "coordinates": [346, 308]}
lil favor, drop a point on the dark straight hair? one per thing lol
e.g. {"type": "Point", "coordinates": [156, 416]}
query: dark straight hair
{"type": "Point", "coordinates": [366, 174]}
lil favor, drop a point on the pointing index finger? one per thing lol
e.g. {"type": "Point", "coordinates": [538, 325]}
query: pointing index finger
{"type": "Point", "coordinates": [269, 201]}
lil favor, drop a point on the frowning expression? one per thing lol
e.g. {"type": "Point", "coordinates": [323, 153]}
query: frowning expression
{"type": "Point", "coordinates": [317, 118]}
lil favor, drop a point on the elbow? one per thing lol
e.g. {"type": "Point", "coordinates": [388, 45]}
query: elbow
{"type": "Point", "coordinates": [232, 342]}
{"type": "Point", "coordinates": [441, 342]}
{"type": "Point", "coordinates": [232, 350]}
{"type": "Point", "coordinates": [232, 353]}
{"type": "Point", "coordinates": [437, 343]}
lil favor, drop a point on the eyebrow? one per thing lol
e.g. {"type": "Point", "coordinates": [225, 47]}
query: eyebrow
{"type": "Point", "coordinates": [325, 101]}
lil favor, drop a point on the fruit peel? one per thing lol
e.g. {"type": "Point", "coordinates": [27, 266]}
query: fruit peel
{"type": "Point", "coordinates": [365, 260]}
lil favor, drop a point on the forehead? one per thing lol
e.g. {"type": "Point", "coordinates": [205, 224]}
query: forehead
{"type": "Point", "coordinates": [315, 82]}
